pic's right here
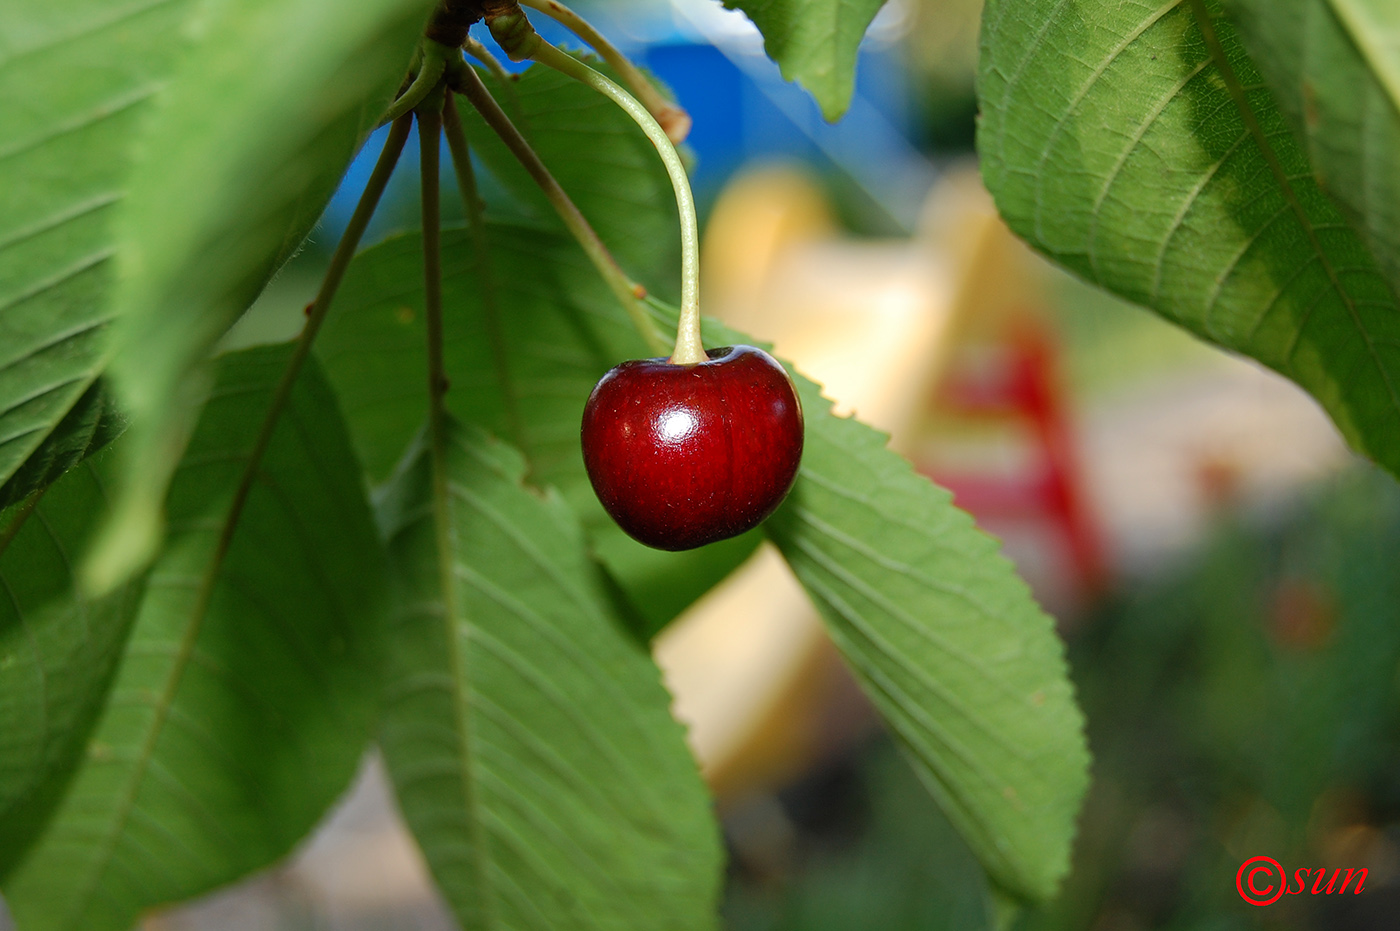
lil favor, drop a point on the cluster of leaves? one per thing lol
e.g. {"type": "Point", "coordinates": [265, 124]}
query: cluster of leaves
{"type": "Point", "coordinates": [269, 595]}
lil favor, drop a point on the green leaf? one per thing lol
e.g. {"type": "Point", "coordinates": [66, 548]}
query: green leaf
{"type": "Point", "coordinates": [597, 154]}
{"type": "Point", "coordinates": [57, 651]}
{"type": "Point", "coordinates": [89, 425]}
{"type": "Point", "coordinates": [528, 736]}
{"type": "Point", "coordinates": [948, 643]}
{"type": "Point", "coordinates": [814, 43]}
{"type": "Point", "coordinates": [1137, 145]}
{"type": "Point", "coordinates": [559, 331]}
{"type": "Point", "coordinates": [244, 150]}
{"type": "Point", "coordinates": [248, 689]}
{"type": "Point", "coordinates": [64, 154]}
{"type": "Point", "coordinates": [1334, 66]}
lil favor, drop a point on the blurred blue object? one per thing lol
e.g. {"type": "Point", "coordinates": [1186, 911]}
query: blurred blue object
{"type": "Point", "coordinates": [743, 111]}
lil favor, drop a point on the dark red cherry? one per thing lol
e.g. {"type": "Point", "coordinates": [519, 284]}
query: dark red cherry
{"type": "Point", "coordinates": [684, 455]}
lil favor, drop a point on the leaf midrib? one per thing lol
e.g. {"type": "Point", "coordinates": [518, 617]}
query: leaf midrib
{"type": "Point", "coordinates": [184, 654]}
{"type": "Point", "coordinates": [452, 619]}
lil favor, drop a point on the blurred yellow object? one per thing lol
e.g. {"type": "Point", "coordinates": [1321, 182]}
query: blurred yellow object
{"type": "Point", "coordinates": [761, 214]}
{"type": "Point", "coordinates": [998, 276]}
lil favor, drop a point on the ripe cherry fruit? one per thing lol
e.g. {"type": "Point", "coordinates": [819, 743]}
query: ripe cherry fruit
{"type": "Point", "coordinates": [684, 455]}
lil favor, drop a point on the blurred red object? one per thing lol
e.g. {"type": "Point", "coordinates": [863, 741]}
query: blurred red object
{"type": "Point", "coordinates": [1016, 383]}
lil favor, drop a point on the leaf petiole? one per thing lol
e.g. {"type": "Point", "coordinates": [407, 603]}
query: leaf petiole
{"type": "Point", "coordinates": [482, 54]}
{"type": "Point", "coordinates": [476, 222]}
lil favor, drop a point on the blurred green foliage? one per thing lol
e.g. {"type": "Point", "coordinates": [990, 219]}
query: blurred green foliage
{"type": "Point", "coordinates": [1247, 705]}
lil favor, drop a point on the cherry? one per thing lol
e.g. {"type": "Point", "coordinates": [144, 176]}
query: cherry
{"type": "Point", "coordinates": [684, 455]}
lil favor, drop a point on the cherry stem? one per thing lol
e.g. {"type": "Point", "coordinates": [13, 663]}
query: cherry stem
{"type": "Point", "coordinates": [672, 117]}
{"type": "Point", "coordinates": [476, 221]}
{"type": "Point", "coordinates": [627, 292]}
{"type": "Point", "coordinates": [689, 348]}
{"type": "Point", "coordinates": [498, 71]}
{"type": "Point", "coordinates": [432, 62]}
{"type": "Point", "coordinates": [482, 54]}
